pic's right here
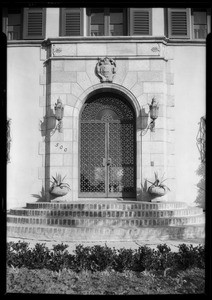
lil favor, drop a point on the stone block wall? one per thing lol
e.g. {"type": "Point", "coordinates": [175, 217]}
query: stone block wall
{"type": "Point", "coordinates": [144, 70]}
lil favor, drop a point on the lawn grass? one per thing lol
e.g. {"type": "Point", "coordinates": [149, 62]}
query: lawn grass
{"type": "Point", "coordinates": [108, 282]}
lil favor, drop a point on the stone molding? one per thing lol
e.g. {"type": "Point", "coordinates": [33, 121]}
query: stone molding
{"type": "Point", "coordinates": [107, 49]}
{"type": "Point", "coordinates": [119, 89]}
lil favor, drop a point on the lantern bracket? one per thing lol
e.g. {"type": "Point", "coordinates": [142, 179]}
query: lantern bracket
{"type": "Point", "coordinates": [59, 111]}
{"type": "Point", "coordinates": [153, 113]}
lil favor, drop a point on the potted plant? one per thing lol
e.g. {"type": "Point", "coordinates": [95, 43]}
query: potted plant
{"type": "Point", "coordinates": [158, 188]}
{"type": "Point", "coordinates": [58, 187]}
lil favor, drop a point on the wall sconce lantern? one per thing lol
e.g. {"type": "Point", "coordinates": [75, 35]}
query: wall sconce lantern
{"type": "Point", "coordinates": [59, 110]}
{"type": "Point", "coordinates": [153, 113]}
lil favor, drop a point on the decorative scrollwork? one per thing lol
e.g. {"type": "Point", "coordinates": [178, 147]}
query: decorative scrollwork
{"type": "Point", "coordinates": [8, 140]}
{"type": "Point", "coordinates": [201, 139]}
{"type": "Point", "coordinates": [156, 48]}
{"type": "Point", "coordinates": [56, 50]}
{"type": "Point", "coordinates": [92, 110]}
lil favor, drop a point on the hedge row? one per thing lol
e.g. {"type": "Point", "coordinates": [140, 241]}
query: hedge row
{"type": "Point", "coordinates": [100, 258]}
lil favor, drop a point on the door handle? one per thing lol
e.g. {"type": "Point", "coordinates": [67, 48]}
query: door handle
{"type": "Point", "coordinates": [104, 162]}
{"type": "Point", "coordinates": [109, 161]}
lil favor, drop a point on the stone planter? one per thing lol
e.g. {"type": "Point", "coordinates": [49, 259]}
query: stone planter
{"type": "Point", "coordinates": [157, 191]}
{"type": "Point", "coordinates": [59, 191]}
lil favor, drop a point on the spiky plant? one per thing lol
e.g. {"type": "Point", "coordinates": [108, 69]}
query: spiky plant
{"type": "Point", "coordinates": [58, 181]}
{"type": "Point", "coordinates": [159, 182]}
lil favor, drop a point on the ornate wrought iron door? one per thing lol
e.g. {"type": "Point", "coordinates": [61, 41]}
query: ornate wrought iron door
{"type": "Point", "coordinates": [107, 166]}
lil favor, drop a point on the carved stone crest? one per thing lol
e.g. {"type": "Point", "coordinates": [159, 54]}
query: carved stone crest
{"type": "Point", "coordinates": [106, 69]}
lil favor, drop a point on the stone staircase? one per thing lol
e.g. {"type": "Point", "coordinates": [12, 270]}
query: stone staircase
{"type": "Point", "coordinates": [106, 220]}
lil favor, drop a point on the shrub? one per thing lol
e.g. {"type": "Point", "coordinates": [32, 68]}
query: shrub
{"type": "Point", "coordinates": [122, 259]}
{"type": "Point", "coordinates": [60, 258]}
{"type": "Point", "coordinates": [100, 258]}
{"type": "Point", "coordinates": [142, 259]}
{"type": "Point", "coordinates": [190, 256]}
{"type": "Point", "coordinates": [17, 253]}
{"type": "Point", "coordinates": [81, 258]}
{"type": "Point", "coordinates": [39, 257]}
{"type": "Point", "coordinates": [162, 258]}
{"type": "Point", "coordinates": [96, 258]}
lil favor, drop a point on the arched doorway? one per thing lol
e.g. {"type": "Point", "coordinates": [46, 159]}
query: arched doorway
{"type": "Point", "coordinates": [107, 147]}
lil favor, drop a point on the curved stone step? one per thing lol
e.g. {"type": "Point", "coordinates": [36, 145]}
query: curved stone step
{"type": "Point", "coordinates": [109, 204]}
{"type": "Point", "coordinates": [120, 219]}
{"type": "Point", "coordinates": [106, 221]}
{"type": "Point", "coordinates": [74, 234]}
{"type": "Point", "coordinates": [105, 212]}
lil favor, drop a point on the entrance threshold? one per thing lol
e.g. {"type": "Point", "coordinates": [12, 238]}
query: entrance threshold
{"type": "Point", "coordinates": [119, 199]}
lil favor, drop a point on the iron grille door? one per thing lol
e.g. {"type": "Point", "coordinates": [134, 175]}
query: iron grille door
{"type": "Point", "coordinates": [107, 165]}
{"type": "Point", "coordinates": [122, 160]}
{"type": "Point", "coordinates": [93, 175]}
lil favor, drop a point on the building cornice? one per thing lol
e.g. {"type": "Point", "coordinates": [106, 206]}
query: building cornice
{"type": "Point", "coordinates": [101, 40]}
{"type": "Point", "coordinates": [124, 39]}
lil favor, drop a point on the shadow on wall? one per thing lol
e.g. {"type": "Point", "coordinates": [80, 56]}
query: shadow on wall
{"type": "Point", "coordinates": [40, 197]}
{"type": "Point", "coordinates": [142, 126]}
{"type": "Point", "coordinates": [142, 121]}
{"type": "Point", "coordinates": [48, 125]}
{"type": "Point", "coordinates": [47, 128]}
{"type": "Point", "coordinates": [143, 194]}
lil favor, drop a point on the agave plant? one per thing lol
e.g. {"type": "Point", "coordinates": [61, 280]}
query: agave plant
{"type": "Point", "coordinates": [157, 185]}
{"type": "Point", "coordinates": [58, 181]}
{"type": "Point", "coordinates": [59, 187]}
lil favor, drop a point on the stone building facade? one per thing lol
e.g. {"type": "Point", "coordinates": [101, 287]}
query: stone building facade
{"type": "Point", "coordinates": [54, 64]}
{"type": "Point", "coordinates": [143, 71]}
{"type": "Point", "coordinates": [82, 84]}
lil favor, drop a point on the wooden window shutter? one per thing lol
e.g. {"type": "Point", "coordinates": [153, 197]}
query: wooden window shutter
{"type": "Point", "coordinates": [34, 23]}
{"type": "Point", "coordinates": [178, 22]}
{"type": "Point", "coordinates": [140, 21]}
{"type": "Point", "coordinates": [71, 22]}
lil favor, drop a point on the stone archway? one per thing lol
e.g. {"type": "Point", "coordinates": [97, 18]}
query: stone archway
{"type": "Point", "coordinates": [107, 147]}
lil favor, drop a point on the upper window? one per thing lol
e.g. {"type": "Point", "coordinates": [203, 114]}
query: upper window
{"type": "Point", "coordinates": [14, 24]}
{"type": "Point", "coordinates": [71, 22]}
{"type": "Point", "coordinates": [106, 21]}
{"type": "Point", "coordinates": [188, 23]}
{"type": "Point", "coordinates": [26, 23]}
{"type": "Point", "coordinates": [140, 21]}
{"type": "Point", "coordinates": [117, 23]}
{"type": "Point", "coordinates": [200, 23]}
{"type": "Point", "coordinates": [178, 23]}
{"type": "Point", "coordinates": [34, 23]}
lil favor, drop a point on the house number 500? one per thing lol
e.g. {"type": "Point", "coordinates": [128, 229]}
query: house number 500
{"type": "Point", "coordinates": [61, 147]}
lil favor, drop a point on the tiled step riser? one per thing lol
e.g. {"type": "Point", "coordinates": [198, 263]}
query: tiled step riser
{"type": "Point", "coordinates": [105, 213]}
{"type": "Point", "coordinates": [107, 206]}
{"type": "Point", "coordinates": [105, 234]}
{"type": "Point", "coordinates": [86, 222]}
